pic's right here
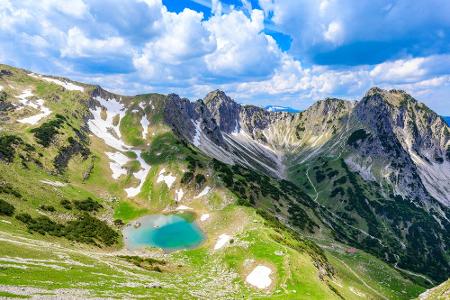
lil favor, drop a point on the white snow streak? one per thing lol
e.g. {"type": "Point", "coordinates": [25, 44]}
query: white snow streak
{"type": "Point", "coordinates": [65, 84]}
{"type": "Point", "coordinates": [222, 241]}
{"type": "Point", "coordinates": [204, 192]}
{"type": "Point", "coordinates": [168, 179]}
{"type": "Point", "coordinates": [36, 104]}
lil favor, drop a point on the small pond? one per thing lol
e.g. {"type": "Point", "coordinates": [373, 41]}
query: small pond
{"type": "Point", "coordinates": [168, 232]}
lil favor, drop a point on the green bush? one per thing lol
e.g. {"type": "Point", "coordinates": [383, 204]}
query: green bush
{"type": "Point", "coordinates": [147, 263]}
{"type": "Point", "coordinates": [3, 96]}
{"type": "Point", "coordinates": [6, 188]}
{"type": "Point", "coordinates": [47, 208]}
{"type": "Point", "coordinates": [187, 177]}
{"type": "Point", "coordinates": [89, 205]}
{"type": "Point", "coordinates": [89, 230]}
{"type": "Point", "coordinates": [6, 208]}
{"type": "Point", "coordinates": [45, 133]}
{"type": "Point", "coordinates": [200, 179]}
{"type": "Point", "coordinates": [66, 204]}
{"type": "Point", "coordinates": [86, 229]}
{"type": "Point", "coordinates": [7, 147]}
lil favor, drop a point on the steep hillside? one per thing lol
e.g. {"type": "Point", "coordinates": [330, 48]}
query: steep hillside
{"type": "Point", "coordinates": [78, 164]}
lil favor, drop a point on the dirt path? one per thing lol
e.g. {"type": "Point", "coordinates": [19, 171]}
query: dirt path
{"type": "Point", "coordinates": [362, 280]}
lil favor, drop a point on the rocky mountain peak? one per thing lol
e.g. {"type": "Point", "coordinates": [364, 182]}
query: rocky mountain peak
{"type": "Point", "coordinates": [223, 109]}
{"type": "Point", "coordinates": [393, 97]}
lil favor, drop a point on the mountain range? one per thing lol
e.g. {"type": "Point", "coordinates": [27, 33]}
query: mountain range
{"type": "Point", "coordinates": [346, 199]}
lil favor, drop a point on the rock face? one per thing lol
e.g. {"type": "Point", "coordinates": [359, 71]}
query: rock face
{"type": "Point", "coordinates": [386, 159]}
{"type": "Point", "coordinates": [415, 136]}
{"type": "Point", "coordinates": [409, 143]}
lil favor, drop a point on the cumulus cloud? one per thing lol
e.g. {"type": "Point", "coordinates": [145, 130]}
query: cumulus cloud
{"type": "Point", "coordinates": [79, 45]}
{"type": "Point", "coordinates": [416, 27]}
{"type": "Point", "coordinates": [241, 46]}
{"type": "Point", "coordinates": [140, 46]}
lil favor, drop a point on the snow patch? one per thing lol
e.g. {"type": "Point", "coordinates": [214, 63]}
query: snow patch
{"type": "Point", "coordinates": [179, 194]}
{"type": "Point", "coordinates": [184, 207]}
{"type": "Point", "coordinates": [65, 84]}
{"type": "Point", "coordinates": [204, 192]}
{"type": "Point", "coordinates": [105, 129]}
{"type": "Point", "coordinates": [118, 160]}
{"type": "Point", "coordinates": [36, 104]}
{"type": "Point", "coordinates": [260, 277]}
{"type": "Point", "coordinates": [144, 123]}
{"type": "Point", "coordinates": [141, 175]}
{"type": "Point", "coordinates": [168, 179]}
{"type": "Point", "coordinates": [222, 241]}
{"type": "Point", "coordinates": [54, 183]}
{"type": "Point", "coordinates": [110, 134]}
{"type": "Point", "coordinates": [204, 217]}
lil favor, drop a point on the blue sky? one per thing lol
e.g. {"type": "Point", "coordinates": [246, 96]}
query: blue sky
{"type": "Point", "coordinates": [282, 52]}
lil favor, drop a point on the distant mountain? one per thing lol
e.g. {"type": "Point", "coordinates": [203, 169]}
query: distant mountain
{"type": "Point", "coordinates": [277, 108]}
{"type": "Point", "coordinates": [447, 120]}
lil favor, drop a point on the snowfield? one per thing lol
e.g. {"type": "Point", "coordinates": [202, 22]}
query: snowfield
{"type": "Point", "coordinates": [141, 175]}
{"type": "Point", "coordinates": [179, 194]}
{"type": "Point", "coordinates": [183, 207]}
{"type": "Point", "coordinates": [260, 277]}
{"type": "Point", "coordinates": [65, 84]}
{"type": "Point", "coordinates": [204, 217]}
{"type": "Point", "coordinates": [36, 104]}
{"type": "Point", "coordinates": [145, 123]}
{"type": "Point", "coordinates": [118, 160]}
{"type": "Point", "coordinates": [222, 241]}
{"type": "Point", "coordinates": [105, 129]}
{"type": "Point", "coordinates": [167, 179]}
{"type": "Point", "coordinates": [204, 192]}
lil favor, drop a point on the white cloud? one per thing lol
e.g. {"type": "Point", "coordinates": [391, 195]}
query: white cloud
{"type": "Point", "coordinates": [334, 32]}
{"type": "Point", "coordinates": [79, 45]}
{"type": "Point", "coordinates": [399, 70]}
{"type": "Point", "coordinates": [185, 53]}
{"type": "Point", "coordinates": [74, 8]}
{"type": "Point", "coordinates": [241, 45]}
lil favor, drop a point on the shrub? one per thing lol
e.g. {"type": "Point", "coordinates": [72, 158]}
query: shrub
{"type": "Point", "coordinates": [187, 177]}
{"type": "Point", "coordinates": [7, 147]}
{"type": "Point", "coordinates": [47, 131]}
{"type": "Point", "coordinates": [66, 204]}
{"type": "Point", "coordinates": [86, 229]}
{"type": "Point", "coordinates": [6, 208]}
{"type": "Point", "coordinates": [118, 222]}
{"type": "Point", "coordinates": [6, 188]}
{"type": "Point", "coordinates": [87, 205]}
{"type": "Point", "coordinates": [47, 208]}
{"type": "Point", "coordinates": [3, 96]}
{"type": "Point", "coordinates": [147, 263]}
{"type": "Point", "coordinates": [200, 179]}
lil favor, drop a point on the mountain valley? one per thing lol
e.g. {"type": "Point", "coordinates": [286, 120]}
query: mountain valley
{"type": "Point", "coordinates": [345, 200]}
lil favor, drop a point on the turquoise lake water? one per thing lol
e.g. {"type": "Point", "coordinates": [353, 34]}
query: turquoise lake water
{"type": "Point", "coordinates": [168, 232]}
